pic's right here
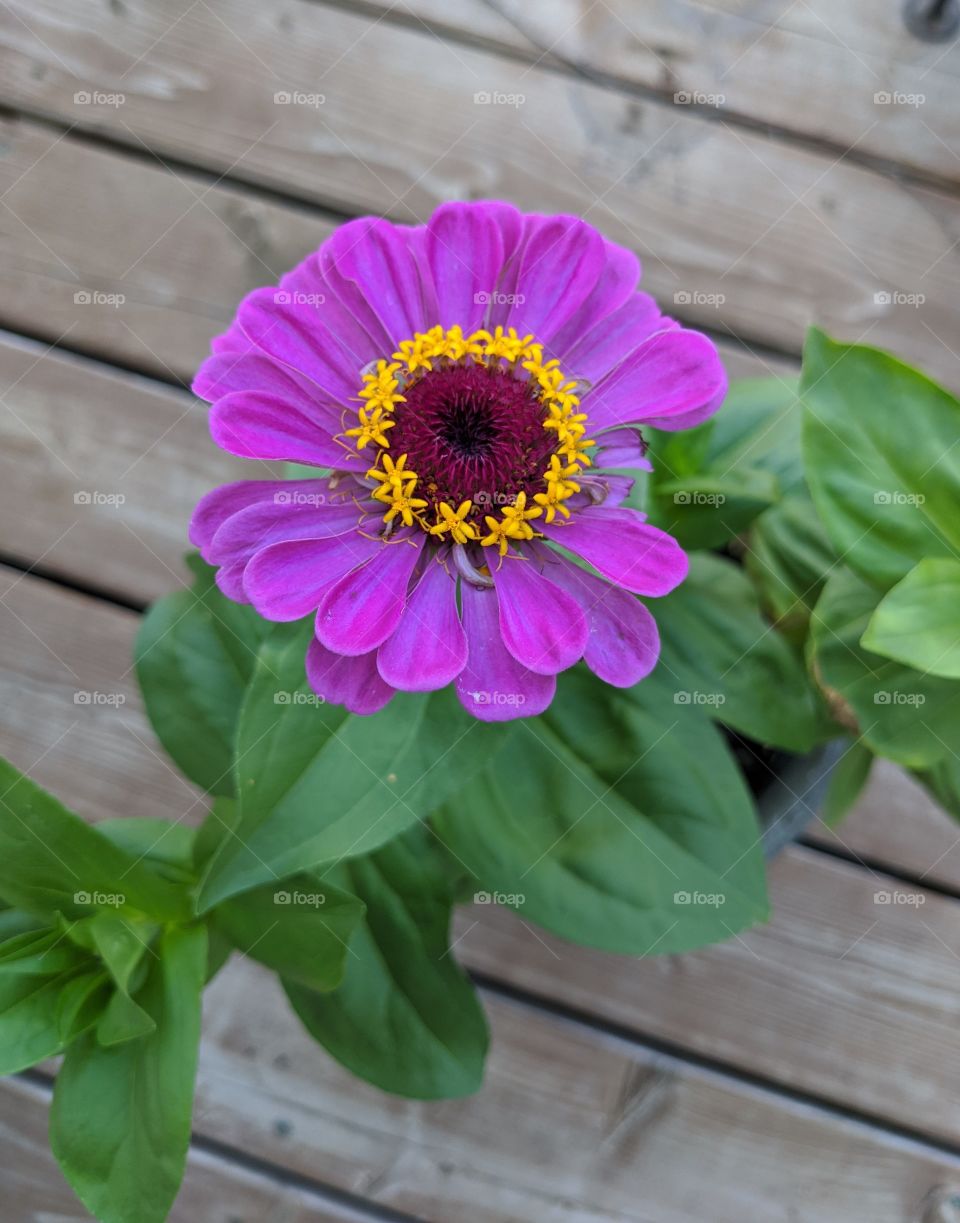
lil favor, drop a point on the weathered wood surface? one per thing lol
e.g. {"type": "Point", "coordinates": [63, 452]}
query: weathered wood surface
{"type": "Point", "coordinates": [32, 1190]}
{"type": "Point", "coordinates": [841, 996]}
{"type": "Point", "coordinates": [811, 69]}
{"type": "Point", "coordinates": [180, 249]}
{"type": "Point", "coordinates": [784, 235]}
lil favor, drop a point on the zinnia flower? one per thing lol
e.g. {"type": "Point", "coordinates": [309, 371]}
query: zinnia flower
{"type": "Point", "coordinates": [468, 387]}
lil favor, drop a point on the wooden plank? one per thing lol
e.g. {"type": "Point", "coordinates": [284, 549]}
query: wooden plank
{"type": "Point", "coordinates": [179, 251]}
{"type": "Point", "coordinates": [124, 437]}
{"type": "Point", "coordinates": [813, 69]}
{"type": "Point", "coordinates": [896, 823]}
{"type": "Point", "coordinates": [70, 714]}
{"type": "Point", "coordinates": [849, 992]}
{"type": "Point", "coordinates": [101, 470]}
{"type": "Point", "coordinates": [570, 1127]}
{"type": "Point", "coordinates": [840, 996]}
{"type": "Point", "coordinates": [32, 1188]}
{"type": "Point", "coordinates": [785, 236]}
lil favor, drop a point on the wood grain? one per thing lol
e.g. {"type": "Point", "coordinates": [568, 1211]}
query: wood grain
{"type": "Point", "coordinates": [570, 1127]}
{"type": "Point", "coordinates": [841, 996]}
{"type": "Point", "coordinates": [896, 823]}
{"type": "Point", "coordinates": [32, 1188]}
{"type": "Point", "coordinates": [813, 69]}
{"type": "Point", "coordinates": [783, 235]}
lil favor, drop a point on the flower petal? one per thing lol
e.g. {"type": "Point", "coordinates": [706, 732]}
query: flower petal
{"type": "Point", "coordinates": [624, 643]}
{"type": "Point", "coordinates": [362, 609]}
{"type": "Point", "coordinates": [286, 325]}
{"type": "Point", "coordinates": [372, 267]}
{"type": "Point", "coordinates": [287, 581]}
{"type": "Point", "coordinates": [673, 376]}
{"type": "Point", "coordinates": [258, 425]}
{"type": "Point", "coordinates": [352, 682]}
{"type": "Point", "coordinates": [276, 521]}
{"type": "Point", "coordinates": [607, 343]}
{"type": "Point", "coordinates": [621, 546]}
{"type": "Point", "coordinates": [493, 686]}
{"type": "Point", "coordinates": [623, 447]}
{"type": "Point", "coordinates": [465, 251]}
{"type": "Point", "coordinates": [215, 507]}
{"type": "Point", "coordinates": [541, 625]}
{"type": "Point", "coordinates": [617, 284]}
{"type": "Point", "coordinates": [560, 264]}
{"type": "Point", "coordinates": [429, 648]}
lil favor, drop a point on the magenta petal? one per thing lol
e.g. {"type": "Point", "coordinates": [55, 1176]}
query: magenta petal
{"type": "Point", "coordinates": [493, 686]}
{"type": "Point", "coordinates": [257, 425]}
{"type": "Point", "coordinates": [560, 264]}
{"type": "Point", "coordinates": [613, 338]}
{"type": "Point", "coordinates": [277, 521]}
{"type": "Point", "coordinates": [227, 372]}
{"type": "Point", "coordinates": [287, 581]}
{"type": "Point", "coordinates": [364, 607]}
{"type": "Point", "coordinates": [215, 507]}
{"type": "Point", "coordinates": [352, 682]}
{"type": "Point", "coordinates": [673, 375]}
{"type": "Point", "coordinates": [541, 625]}
{"type": "Point", "coordinates": [285, 325]}
{"type": "Point", "coordinates": [617, 284]}
{"type": "Point", "coordinates": [621, 448]}
{"type": "Point", "coordinates": [375, 256]}
{"type": "Point", "coordinates": [621, 546]}
{"type": "Point", "coordinates": [465, 251]}
{"type": "Point", "coordinates": [429, 648]}
{"type": "Point", "coordinates": [624, 644]}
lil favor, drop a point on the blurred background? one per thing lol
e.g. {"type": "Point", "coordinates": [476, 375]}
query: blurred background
{"type": "Point", "coordinates": [773, 163]}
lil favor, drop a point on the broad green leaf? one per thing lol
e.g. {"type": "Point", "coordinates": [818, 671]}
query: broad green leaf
{"type": "Point", "coordinates": [789, 557]}
{"type": "Point", "coordinates": [405, 1018]}
{"type": "Point", "coordinates": [317, 783]}
{"type": "Point", "coordinates": [45, 952]}
{"type": "Point", "coordinates": [881, 459]}
{"type": "Point", "coordinates": [906, 715]}
{"type": "Point", "coordinates": [718, 653]}
{"type": "Point", "coordinates": [195, 654]}
{"type": "Point", "coordinates": [617, 820]}
{"type": "Point", "coordinates": [168, 846]}
{"type": "Point", "coordinates": [122, 946]}
{"type": "Point", "coordinates": [31, 1026]}
{"type": "Point", "coordinates": [847, 780]}
{"type": "Point", "coordinates": [942, 781]}
{"type": "Point", "coordinates": [300, 927]}
{"type": "Point", "coordinates": [51, 861]}
{"type": "Point", "coordinates": [706, 510]}
{"type": "Point", "coordinates": [918, 621]}
{"type": "Point", "coordinates": [758, 428]}
{"type": "Point", "coordinates": [120, 1122]}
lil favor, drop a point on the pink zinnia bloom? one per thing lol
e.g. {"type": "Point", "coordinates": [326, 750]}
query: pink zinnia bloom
{"type": "Point", "coordinates": [469, 384]}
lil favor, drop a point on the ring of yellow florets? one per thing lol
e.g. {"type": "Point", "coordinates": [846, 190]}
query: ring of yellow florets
{"type": "Point", "coordinates": [383, 387]}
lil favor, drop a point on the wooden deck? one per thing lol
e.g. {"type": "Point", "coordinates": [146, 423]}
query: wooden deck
{"type": "Point", "coordinates": [802, 1073]}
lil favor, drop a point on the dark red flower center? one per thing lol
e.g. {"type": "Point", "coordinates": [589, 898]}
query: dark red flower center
{"type": "Point", "coordinates": [473, 433]}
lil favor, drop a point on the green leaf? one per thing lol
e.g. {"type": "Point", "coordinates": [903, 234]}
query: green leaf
{"type": "Point", "coordinates": [942, 781]}
{"type": "Point", "coordinates": [405, 1018]}
{"type": "Point", "coordinates": [880, 453]}
{"type": "Point", "coordinates": [168, 846]}
{"type": "Point", "coordinates": [43, 952]}
{"type": "Point", "coordinates": [758, 427]}
{"type": "Point", "coordinates": [706, 510]}
{"type": "Point", "coordinates": [317, 783]}
{"type": "Point", "coordinates": [120, 1122]}
{"type": "Point", "coordinates": [121, 945]}
{"type": "Point", "coordinates": [847, 780]}
{"type": "Point", "coordinates": [618, 820]}
{"type": "Point", "coordinates": [719, 653]}
{"type": "Point", "coordinates": [30, 1019]}
{"type": "Point", "coordinates": [918, 621]}
{"type": "Point", "coordinates": [299, 927]}
{"type": "Point", "coordinates": [789, 558]}
{"type": "Point", "coordinates": [51, 861]}
{"type": "Point", "coordinates": [195, 654]}
{"type": "Point", "coordinates": [906, 715]}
